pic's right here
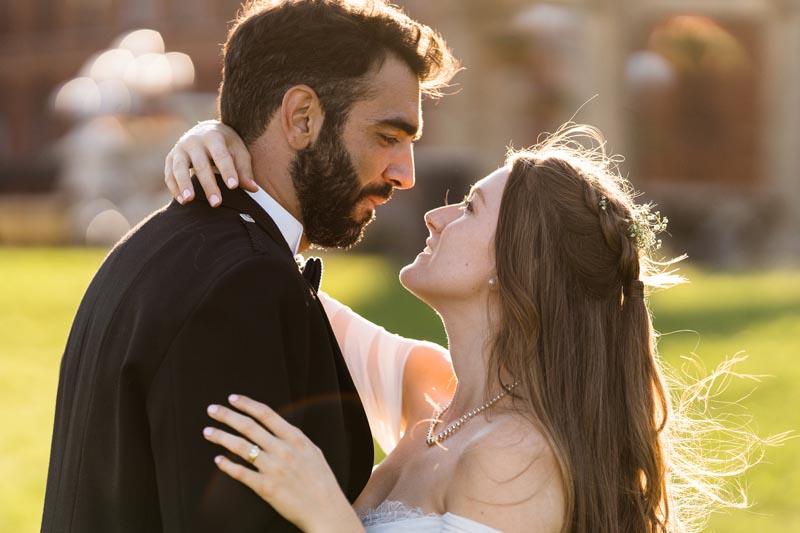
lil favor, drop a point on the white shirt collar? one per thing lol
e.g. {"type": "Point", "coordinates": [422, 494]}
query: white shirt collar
{"type": "Point", "coordinates": [290, 227]}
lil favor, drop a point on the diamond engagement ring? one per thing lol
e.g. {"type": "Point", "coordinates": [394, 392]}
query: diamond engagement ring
{"type": "Point", "coordinates": [253, 455]}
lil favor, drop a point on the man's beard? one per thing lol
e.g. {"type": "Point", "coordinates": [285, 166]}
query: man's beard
{"type": "Point", "coordinates": [328, 190]}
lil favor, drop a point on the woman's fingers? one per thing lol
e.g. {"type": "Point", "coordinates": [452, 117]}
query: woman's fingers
{"type": "Point", "coordinates": [245, 425]}
{"type": "Point", "coordinates": [238, 472]}
{"type": "Point", "coordinates": [264, 414]}
{"type": "Point", "coordinates": [207, 145]}
{"type": "Point", "coordinates": [233, 443]}
{"type": "Point", "coordinates": [292, 474]}
{"type": "Point", "coordinates": [169, 179]}
{"type": "Point", "coordinates": [218, 150]}
{"type": "Point", "coordinates": [242, 162]}
{"type": "Point", "coordinates": [245, 171]}
{"type": "Point", "coordinates": [203, 171]}
{"type": "Point", "coordinates": [181, 175]}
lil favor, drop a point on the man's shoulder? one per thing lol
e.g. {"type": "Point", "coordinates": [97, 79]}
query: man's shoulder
{"type": "Point", "coordinates": [183, 250]}
{"type": "Point", "coordinates": [206, 236]}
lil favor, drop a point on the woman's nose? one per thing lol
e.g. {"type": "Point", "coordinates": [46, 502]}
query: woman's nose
{"type": "Point", "coordinates": [437, 219]}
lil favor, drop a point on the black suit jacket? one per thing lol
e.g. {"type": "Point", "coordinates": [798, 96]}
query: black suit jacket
{"type": "Point", "coordinates": [193, 305]}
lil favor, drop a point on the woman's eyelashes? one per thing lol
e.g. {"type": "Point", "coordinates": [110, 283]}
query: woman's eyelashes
{"type": "Point", "coordinates": [466, 204]}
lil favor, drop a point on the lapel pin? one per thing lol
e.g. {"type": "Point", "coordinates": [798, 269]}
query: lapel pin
{"type": "Point", "coordinates": [247, 218]}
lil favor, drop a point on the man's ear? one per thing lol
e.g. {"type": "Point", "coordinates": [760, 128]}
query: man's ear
{"type": "Point", "coordinates": [301, 116]}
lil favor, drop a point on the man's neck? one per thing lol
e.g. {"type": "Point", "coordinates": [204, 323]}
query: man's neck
{"type": "Point", "coordinates": [271, 173]}
{"type": "Point", "coordinates": [280, 189]}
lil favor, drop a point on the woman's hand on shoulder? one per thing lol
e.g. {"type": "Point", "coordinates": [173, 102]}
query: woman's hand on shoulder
{"type": "Point", "coordinates": [510, 480]}
{"type": "Point", "coordinates": [290, 474]}
{"type": "Point", "coordinates": [208, 142]}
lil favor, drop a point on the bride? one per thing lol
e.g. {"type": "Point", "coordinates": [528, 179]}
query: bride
{"type": "Point", "coordinates": [555, 415]}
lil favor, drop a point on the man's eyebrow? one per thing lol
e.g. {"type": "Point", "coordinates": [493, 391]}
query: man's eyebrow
{"type": "Point", "coordinates": [412, 130]}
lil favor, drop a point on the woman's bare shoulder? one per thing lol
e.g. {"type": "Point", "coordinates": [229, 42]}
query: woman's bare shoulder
{"type": "Point", "coordinates": [508, 477]}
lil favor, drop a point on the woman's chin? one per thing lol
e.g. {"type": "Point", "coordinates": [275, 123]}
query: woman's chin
{"type": "Point", "coordinates": [411, 277]}
{"type": "Point", "coordinates": [407, 276]}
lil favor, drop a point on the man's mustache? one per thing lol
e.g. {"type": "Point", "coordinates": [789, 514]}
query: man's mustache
{"type": "Point", "coordinates": [383, 191]}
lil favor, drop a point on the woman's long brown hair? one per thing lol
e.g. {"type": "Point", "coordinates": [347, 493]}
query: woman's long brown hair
{"type": "Point", "coordinates": [573, 326]}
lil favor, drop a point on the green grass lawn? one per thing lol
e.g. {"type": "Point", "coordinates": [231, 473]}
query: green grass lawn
{"type": "Point", "coordinates": [715, 316]}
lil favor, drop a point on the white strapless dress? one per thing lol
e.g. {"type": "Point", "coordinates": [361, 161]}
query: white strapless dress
{"type": "Point", "coordinates": [395, 517]}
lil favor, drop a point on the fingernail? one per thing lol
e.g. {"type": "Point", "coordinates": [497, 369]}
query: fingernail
{"type": "Point", "coordinates": [218, 459]}
{"type": "Point", "coordinates": [187, 193]}
{"type": "Point", "coordinates": [231, 183]}
{"type": "Point", "coordinates": [179, 198]}
{"type": "Point", "coordinates": [207, 432]}
{"type": "Point", "coordinates": [213, 409]}
{"type": "Point", "coordinates": [233, 398]}
{"type": "Point", "coordinates": [214, 200]}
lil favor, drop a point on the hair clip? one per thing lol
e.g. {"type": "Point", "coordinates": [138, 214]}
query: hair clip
{"type": "Point", "coordinates": [603, 202]}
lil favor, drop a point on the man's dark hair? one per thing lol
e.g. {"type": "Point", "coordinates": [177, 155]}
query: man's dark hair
{"type": "Point", "coordinates": [329, 45]}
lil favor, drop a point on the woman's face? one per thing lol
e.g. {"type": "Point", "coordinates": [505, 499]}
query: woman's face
{"type": "Point", "coordinates": [458, 259]}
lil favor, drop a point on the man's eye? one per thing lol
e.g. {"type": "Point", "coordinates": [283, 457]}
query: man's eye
{"type": "Point", "coordinates": [389, 139]}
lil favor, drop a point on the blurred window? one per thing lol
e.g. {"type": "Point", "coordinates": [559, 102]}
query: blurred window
{"type": "Point", "coordinates": [45, 15]}
{"type": "Point", "coordinates": [5, 128]}
{"type": "Point", "coordinates": [694, 113]}
{"type": "Point", "coordinates": [89, 13]}
{"type": "Point", "coordinates": [138, 12]}
{"type": "Point", "coordinates": [7, 18]}
{"type": "Point", "coordinates": [538, 48]}
{"type": "Point", "coordinates": [42, 124]}
{"type": "Point", "coordinates": [5, 138]}
{"type": "Point", "coordinates": [227, 9]}
{"type": "Point", "coordinates": [182, 11]}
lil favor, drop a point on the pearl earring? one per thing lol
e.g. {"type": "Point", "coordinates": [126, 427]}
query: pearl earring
{"type": "Point", "coordinates": [492, 282]}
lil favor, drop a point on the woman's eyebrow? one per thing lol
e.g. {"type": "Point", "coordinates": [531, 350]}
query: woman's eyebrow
{"type": "Point", "coordinates": [476, 191]}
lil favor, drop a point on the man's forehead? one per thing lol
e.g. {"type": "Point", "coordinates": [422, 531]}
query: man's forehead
{"type": "Point", "coordinates": [395, 86]}
{"type": "Point", "coordinates": [391, 111]}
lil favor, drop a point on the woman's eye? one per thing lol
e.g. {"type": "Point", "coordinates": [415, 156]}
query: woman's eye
{"type": "Point", "coordinates": [466, 204]}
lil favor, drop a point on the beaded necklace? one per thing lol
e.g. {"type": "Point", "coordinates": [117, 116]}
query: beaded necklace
{"type": "Point", "coordinates": [455, 426]}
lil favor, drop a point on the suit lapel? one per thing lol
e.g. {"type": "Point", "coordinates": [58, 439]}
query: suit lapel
{"type": "Point", "coordinates": [249, 210]}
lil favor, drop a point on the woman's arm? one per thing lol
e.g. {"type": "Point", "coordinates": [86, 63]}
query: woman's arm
{"type": "Point", "coordinates": [290, 474]}
{"type": "Point", "coordinates": [428, 383]}
{"type": "Point", "coordinates": [208, 141]}
{"type": "Point", "coordinates": [397, 378]}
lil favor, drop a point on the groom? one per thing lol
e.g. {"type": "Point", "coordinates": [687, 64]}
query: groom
{"type": "Point", "coordinates": [197, 303]}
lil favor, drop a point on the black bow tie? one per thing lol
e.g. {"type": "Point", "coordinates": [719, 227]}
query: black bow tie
{"type": "Point", "coordinates": [312, 272]}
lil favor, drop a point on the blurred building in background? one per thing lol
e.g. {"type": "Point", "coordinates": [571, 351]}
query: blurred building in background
{"type": "Point", "coordinates": [86, 119]}
{"type": "Point", "coordinates": [701, 96]}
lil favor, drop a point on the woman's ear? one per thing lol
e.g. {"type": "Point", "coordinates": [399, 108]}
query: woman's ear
{"type": "Point", "coordinates": [301, 116]}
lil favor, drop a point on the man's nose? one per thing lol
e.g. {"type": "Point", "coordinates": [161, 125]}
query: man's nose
{"type": "Point", "coordinates": [400, 172]}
